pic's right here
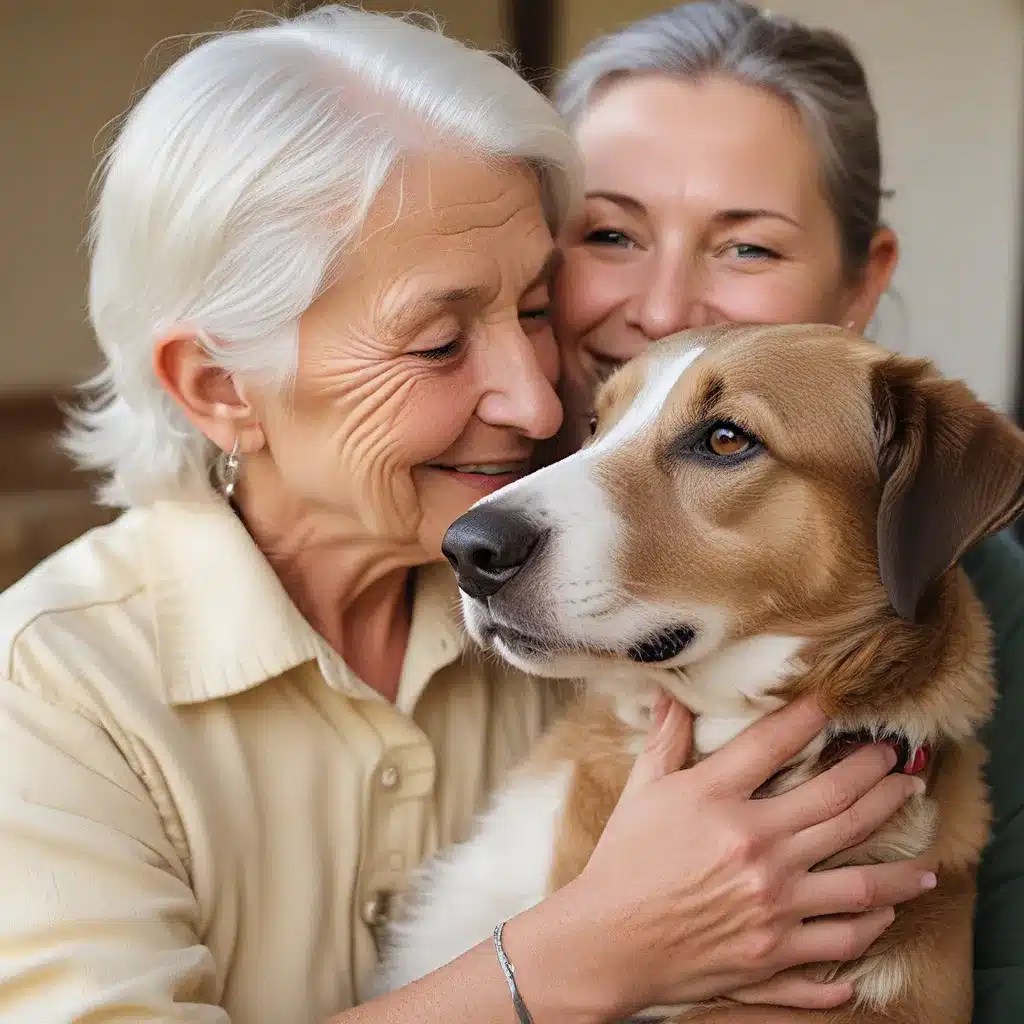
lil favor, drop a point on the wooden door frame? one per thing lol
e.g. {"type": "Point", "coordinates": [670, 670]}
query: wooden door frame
{"type": "Point", "coordinates": [1019, 361]}
{"type": "Point", "coordinates": [533, 36]}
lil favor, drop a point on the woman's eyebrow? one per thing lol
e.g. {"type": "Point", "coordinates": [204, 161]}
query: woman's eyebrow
{"type": "Point", "coordinates": [429, 303]}
{"type": "Point", "coordinates": [407, 316]}
{"type": "Point", "coordinates": [740, 214]}
{"type": "Point", "coordinates": [619, 198]}
{"type": "Point", "coordinates": [733, 215]}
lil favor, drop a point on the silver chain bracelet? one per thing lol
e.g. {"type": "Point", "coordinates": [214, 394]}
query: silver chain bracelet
{"type": "Point", "coordinates": [510, 976]}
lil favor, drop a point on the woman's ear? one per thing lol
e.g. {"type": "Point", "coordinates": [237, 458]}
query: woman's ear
{"type": "Point", "coordinates": [863, 296]}
{"type": "Point", "coordinates": [212, 400]}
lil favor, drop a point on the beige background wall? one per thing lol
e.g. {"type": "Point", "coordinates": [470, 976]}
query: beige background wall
{"type": "Point", "coordinates": [482, 22]}
{"type": "Point", "coordinates": [66, 68]}
{"type": "Point", "coordinates": [948, 79]}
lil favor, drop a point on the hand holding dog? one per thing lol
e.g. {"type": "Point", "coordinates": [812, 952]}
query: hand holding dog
{"type": "Point", "coordinates": [708, 892]}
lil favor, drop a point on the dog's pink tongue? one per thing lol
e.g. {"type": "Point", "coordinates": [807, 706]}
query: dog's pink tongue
{"type": "Point", "coordinates": [917, 761]}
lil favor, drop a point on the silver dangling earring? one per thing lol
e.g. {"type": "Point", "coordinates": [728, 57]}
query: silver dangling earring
{"type": "Point", "coordinates": [227, 471]}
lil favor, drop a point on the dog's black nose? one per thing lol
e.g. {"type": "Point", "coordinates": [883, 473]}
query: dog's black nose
{"type": "Point", "coordinates": [487, 547]}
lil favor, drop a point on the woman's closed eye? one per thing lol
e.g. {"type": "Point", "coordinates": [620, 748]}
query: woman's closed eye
{"type": "Point", "coordinates": [448, 350]}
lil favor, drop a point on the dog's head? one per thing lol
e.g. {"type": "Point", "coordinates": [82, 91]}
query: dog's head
{"type": "Point", "coordinates": [741, 482]}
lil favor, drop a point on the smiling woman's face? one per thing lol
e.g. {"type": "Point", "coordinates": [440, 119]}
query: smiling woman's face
{"type": "Point", "coordinates": [704, 205]}
{"type": "Point", "coordinates": [425, 375]}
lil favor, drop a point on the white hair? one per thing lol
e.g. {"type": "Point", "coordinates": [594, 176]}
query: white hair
{"type": "Point", "coordinates": [234, 188]}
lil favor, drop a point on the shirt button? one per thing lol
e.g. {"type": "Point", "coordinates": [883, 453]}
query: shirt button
{"type": "Point", "coordinates": [375, 909]}
{"type": "Point", "coordinates": [389, 777]}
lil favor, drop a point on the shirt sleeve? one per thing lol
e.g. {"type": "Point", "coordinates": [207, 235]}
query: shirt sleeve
{"type": "Point", "coordinates": [98, 920]}
{"type": "Point", "coordinates": [996, 569]}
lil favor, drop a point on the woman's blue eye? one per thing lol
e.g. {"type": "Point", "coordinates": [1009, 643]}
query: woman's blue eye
{"type": "Point", "coordinates": [748, 251]}
{"type": "Point", "coordinates": [605, 237]}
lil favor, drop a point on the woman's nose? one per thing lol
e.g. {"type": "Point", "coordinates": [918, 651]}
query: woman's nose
{"type": "Point", "coordinates": [519, 393]}
{"type": "Point", "coordinates": [669, 301]}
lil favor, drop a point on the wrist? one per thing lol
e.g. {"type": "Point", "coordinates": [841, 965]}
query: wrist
{"type": "Point", "coordinates": [563, 963]}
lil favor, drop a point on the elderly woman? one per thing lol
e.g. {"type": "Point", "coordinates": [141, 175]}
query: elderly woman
{"type": "Point", "coordinates": [733, 172]}
{"type": "Point", "coordinates": [234, 720]}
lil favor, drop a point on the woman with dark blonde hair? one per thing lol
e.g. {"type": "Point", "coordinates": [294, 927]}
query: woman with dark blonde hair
{"type": "Point", "coordinates": [733, 172]}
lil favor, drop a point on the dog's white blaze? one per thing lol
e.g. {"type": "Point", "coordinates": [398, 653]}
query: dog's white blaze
{"type": "Point", "coordinates": [587, 522]}
{"type": "Point", "coordinates": [662, 377]}
{"type": "Point", "coordinates": [571, 497]}
{"type": "Point", "coordinates": [462, 894]}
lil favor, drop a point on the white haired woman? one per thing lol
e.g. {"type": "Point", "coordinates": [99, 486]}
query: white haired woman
{"type": "Point", "coordinates": [234, 720]}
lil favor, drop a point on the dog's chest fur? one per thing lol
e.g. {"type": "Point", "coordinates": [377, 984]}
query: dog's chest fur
{"type": "Point", "coordinates": [542, 828]}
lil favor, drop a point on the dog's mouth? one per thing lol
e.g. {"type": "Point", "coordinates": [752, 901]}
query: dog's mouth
{"type": "Point", "coordinates": [525, 645]}
{"type": "Point", "coordinates": [653, 649]}
{"type": "Point", "coordinates": [663, 646]}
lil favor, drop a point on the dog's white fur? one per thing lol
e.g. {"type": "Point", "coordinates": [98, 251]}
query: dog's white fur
{"type": "Point", "coordinates": [462, 894]}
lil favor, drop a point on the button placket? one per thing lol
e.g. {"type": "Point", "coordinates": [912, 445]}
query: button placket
{"type": "Point", "coordinates": [399, 795]}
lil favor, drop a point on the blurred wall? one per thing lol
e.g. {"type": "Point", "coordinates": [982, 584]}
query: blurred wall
{"type": "Point", "coordinates": [481, 22]}
{"type": "Point", "coordinates": [948, 79]}
{"type": "Point", "coordinates": [67, 67]}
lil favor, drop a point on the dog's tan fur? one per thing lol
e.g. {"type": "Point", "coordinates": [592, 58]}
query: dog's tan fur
{"type": "Point", "coordinates": [755, 540]}
{"type": "Point", "coordinates": [844, 535]}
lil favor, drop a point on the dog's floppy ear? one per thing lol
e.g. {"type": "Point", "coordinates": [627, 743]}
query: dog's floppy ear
{"type": "Point", "coordinates": [951, 470]}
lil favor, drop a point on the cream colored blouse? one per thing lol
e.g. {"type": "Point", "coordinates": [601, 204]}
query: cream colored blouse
{"type": "Point", "coordinates": [203, 812]}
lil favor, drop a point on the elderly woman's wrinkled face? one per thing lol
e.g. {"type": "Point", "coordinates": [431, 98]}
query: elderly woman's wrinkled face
{"type": "Point", "coordinates": [704, 205]}
{"type": "Point", "coordinates": [425, 375]}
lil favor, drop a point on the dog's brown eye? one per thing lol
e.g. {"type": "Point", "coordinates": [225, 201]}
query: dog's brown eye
{"type": "Point", "coordinates": [592, 425]}
{"type": "Point", "coordinates": [725, 440]}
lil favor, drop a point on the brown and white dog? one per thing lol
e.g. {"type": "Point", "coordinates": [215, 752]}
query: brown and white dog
{"type": "Point", "coordinates": [761, 512]}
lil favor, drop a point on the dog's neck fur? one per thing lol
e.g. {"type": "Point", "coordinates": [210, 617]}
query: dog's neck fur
{"type": "Point", "coordinates": [870, 670]}
{"type": "Point", "coordinates": [727, 691]}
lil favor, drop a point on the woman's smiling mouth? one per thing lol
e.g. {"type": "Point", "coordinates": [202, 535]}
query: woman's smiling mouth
{"type": "Point", "coordinates": [484, 476]}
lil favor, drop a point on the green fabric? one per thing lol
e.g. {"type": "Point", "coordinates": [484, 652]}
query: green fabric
{"type": "Point", "coordinates": [996, 569]}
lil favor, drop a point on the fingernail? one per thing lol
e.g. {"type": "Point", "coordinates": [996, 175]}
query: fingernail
{"type": "Point", "coordinates": [929, 881]}
{"type": "Point", "coordinates": [890, 915]}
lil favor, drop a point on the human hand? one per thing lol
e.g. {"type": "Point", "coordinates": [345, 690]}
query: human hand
{"type": "Point", "coordinates": [697, 890]}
